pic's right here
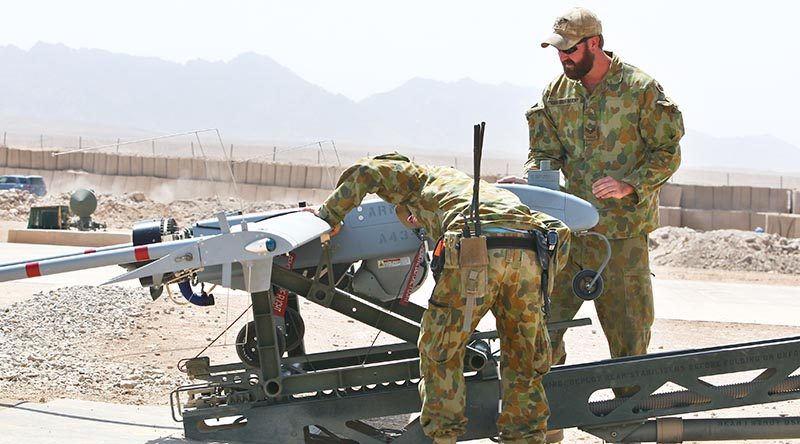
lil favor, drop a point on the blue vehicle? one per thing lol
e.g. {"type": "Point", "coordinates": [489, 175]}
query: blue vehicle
{"type": "Point", "coordinates": [31, 184]}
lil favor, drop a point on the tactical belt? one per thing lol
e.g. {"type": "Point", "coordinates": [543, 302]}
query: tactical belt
{"type": "Point", "coordinates": [516, 243]}
{"type": "Point", "coordinates": [542, 244]}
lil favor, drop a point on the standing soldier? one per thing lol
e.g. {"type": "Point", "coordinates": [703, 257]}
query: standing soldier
{"type": "Point", "coordinates": [614, 134]}
{"type": "Point", "coordinates": [507, 282]}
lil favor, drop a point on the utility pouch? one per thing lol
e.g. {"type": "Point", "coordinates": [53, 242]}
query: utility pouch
{"type": "Point", "coordinates": [451, 245]}
{"type": "Point", "coordinates": [473, 252]}
{"type": "Point", "coordinates": [474, 262]}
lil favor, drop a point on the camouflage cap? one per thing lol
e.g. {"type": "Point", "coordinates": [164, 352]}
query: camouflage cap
{"type": "Point", "coordinates": [572, 26]}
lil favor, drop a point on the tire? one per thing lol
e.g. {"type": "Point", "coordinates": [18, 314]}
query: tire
{"type": "Point", "coordinates": [580, 285]}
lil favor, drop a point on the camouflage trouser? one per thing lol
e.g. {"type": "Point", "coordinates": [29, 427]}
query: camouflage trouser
{"type": "Point", "coordinates": [513, 295]}
{"type": "Point", "coordinates": [625, 308]}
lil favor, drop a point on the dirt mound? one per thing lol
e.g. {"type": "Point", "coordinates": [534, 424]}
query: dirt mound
{"type": "Point", "coordinates": [120, 211]}
{"type": "Point", "coordinates": [730, 250]}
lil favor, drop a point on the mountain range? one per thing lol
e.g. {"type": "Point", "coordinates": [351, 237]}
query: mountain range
{"type": "Point", "coordinates": [252, 97]}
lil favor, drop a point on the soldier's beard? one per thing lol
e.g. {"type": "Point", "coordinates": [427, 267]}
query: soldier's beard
{"type": "Point", "coordinates": [577, 70]}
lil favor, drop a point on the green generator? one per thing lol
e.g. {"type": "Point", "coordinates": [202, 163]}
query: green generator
{"type": "Point", "coordinates": [54, 217]}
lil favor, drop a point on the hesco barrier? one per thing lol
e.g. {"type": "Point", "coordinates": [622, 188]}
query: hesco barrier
{"type": "Point", "coordinates": [696, 206]}
{"type": "Point", "coordinates": [85, 167]}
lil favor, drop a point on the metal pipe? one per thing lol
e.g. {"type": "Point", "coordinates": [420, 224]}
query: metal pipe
{"type": "Point", "coordinates": [733, 429]}
{"type": "Point", "coordinates": [80, 253]}
{"type": "Point", "coordinates": [127, 255]}
{"type": "Point", "coordinates": [686, 397]}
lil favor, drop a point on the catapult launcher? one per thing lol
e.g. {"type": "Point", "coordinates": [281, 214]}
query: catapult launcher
{"type": "Point", "coordinates": [279, 393]}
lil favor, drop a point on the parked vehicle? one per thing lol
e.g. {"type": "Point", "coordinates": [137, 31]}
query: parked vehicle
{"type": "Point", "coordinates": [32, 184]}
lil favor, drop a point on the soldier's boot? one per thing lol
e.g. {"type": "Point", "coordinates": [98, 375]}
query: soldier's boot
{"type": "Point", "coordinates": [555, 436]}
{"type": "Point", "coordinates": [445, 440]}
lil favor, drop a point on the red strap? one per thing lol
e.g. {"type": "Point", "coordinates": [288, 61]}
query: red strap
{"type": "Point", "coordinates": [282, 295]}
{"type": "Point", "coordinates": [412, 275]}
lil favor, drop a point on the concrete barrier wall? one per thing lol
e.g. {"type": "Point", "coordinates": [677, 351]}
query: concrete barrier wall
{"type": "Point", "coordinates": [64, 237]}
{"type": "Point", "coordinates": [697, 206]}
{"type": "Point", "coordinates": [697, 219]}
{"type": "Point", "coordinates": [25, 159]}
{"type": "Point", "coordinates": [248, 192]}
{"type": "Point", "coordinates": [185, 168]}
{"type": "Point", "coordinates": [282, 175]}
{"type": "Point", "coordinates": [88, 162]}
{"type": "Point", "coordinates": [223, 189]}
{"type": "Point", "coordinates": [173, 168]}
{"type": "Point", "coordinates": [253, 175]}
{"type": "Point", "coordinates": [669, 216]}
{"type": "Point", "coordinates": [13, 158]}
{"type": "Point", "coordinates": [112, 164]}
{"type": "Point", "coordinates": [148, 166]}
{"type": "Point", "coordinates": [124, 165]}
{"type": "Point", "coordinates": [75, 161]}
{"type": "Point", "coordinates": [668, 196]}
{"type": "Point", "coordinates": [160, 167]}
{"type": "Point", "coordinates": [268, 174]}
{"type": "Point", "coordinates": [239, 171]}
{"type": "Point", "coordinates": [50, 161]}
{"type": "Point", "coordinates": [199, 169]}
{"type": "Point", "coordinates": [37, 160]}
{"type": "Point", "coordinates": [297, 176]}
{"type": "Point", "coordinates": [785, 225]}
{"type": "Point", "coordinates": [137, 166]}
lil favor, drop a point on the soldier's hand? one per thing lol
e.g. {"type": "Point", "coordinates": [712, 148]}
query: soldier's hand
{"type": "Point", "coordinates": [314, 210]}
{"type": "Point", "coordinates": [610, 188]}
{"type": "Point", "coordinates": [512, 179]}
{"type": "Point", "coordinates": [334, 230]}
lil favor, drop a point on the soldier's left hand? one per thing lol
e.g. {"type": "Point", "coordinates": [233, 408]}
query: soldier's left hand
{"type": "Point", "coordinates": [608, 187]}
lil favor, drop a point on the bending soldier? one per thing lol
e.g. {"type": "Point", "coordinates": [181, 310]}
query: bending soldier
{"type": "Point", "coordinates": [508, 283]}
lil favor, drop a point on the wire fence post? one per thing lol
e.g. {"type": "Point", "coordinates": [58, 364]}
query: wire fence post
{"type": "Point", "coordinates": [117, 146]}
{"type": "Point", "coordinates": [192, 149]}
{"type": "Point", "coordinates": [4, 138]}
{"type": "Point", "coordinates": [231, 152]}
{"type": "Point", "coordinates": [41, 141]}
{"type": "Point", "coordinates": [274, 152]}
{"type": "Point", "coordinates": [153, 145]}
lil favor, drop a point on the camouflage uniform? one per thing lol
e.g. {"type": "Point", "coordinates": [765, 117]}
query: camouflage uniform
{"type": "Point", "coordinates": [626, 128]}
{"type": "Point", "coordinates": [509, 286]}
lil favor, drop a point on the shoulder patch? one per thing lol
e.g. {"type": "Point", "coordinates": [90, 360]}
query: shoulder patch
{"type": "Point", "coordinates": [565, 101]}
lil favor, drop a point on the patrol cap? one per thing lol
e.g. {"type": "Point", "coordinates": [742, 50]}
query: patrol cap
{"type": "Point", "coordinates": [572, 26]}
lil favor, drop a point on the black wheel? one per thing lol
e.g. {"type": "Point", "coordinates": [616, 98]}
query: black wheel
{"type": "Point", "coordinates": [247, 344]}
{"type": "Point", "coordinates": [295, 329]}
{"type": "Point", "coordinates": [581, 285]}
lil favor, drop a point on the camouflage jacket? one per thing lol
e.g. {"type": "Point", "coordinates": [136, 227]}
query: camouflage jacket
{"type": "Point", "coordinates": [627, 128]}
{"type": "Point", "coordinates": [437, 196]}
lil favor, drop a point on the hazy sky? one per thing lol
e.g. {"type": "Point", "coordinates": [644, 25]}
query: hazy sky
{"type": "Point", "coordinates": [723, 62]}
